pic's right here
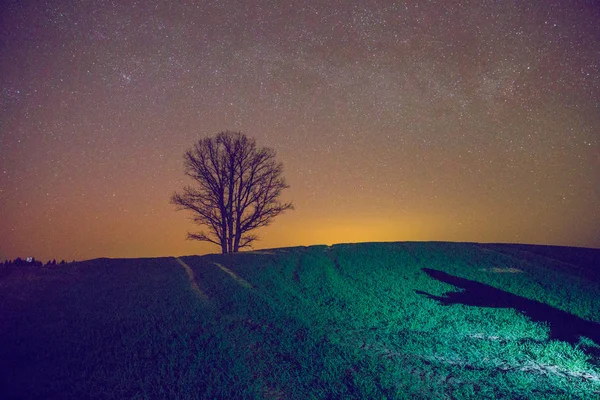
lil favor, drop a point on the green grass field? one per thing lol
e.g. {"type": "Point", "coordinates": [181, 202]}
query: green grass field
{"type": "Point", "coordinates": [372, 320]}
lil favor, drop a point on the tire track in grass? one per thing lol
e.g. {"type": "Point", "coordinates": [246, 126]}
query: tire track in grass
{"type": "Point", "coordinates": [236, 277]}
{"type": "Point", "coordinates": [268, 390]}
{"type": "Point", "coordinates": [192, 279]}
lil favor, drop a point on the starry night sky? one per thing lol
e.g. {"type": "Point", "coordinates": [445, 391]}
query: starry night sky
{"type": "Point", "coordinates": [416, 120]}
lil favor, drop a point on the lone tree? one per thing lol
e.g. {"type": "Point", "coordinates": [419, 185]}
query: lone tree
{"type": "Point", "coordinates": [237, 191]}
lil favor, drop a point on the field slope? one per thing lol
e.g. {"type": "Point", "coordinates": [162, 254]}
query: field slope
{"type": "Point", "coordinates": [373, 320]}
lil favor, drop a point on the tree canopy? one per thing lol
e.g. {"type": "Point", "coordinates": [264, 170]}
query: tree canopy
{"type": "Point", "coordinates": [237, 189]}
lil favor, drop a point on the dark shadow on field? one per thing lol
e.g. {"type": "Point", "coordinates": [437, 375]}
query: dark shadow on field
{"type": "Point", "coordinates": [563, 326]}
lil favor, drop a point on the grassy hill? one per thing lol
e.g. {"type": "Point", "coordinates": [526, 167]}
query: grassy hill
{"type": "Point", "coordinates": [372, 320]}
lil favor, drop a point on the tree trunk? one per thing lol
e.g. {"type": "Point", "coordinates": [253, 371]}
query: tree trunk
{"type": "Point", "coordinates": [230, 236]}
{"type": "Point", "coordinates": [223, 228]}
{"type": "Point", "coordinates": [236, 243]}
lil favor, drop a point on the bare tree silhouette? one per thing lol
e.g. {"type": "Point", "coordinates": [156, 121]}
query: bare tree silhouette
{"type": "Point", "coordinates": [238, 187]}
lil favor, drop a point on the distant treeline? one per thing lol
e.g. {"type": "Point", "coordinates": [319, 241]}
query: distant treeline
{"type": "Point", "coordinates": [30, 261]}
{"type": "Point", "coordinates": [9, 265]}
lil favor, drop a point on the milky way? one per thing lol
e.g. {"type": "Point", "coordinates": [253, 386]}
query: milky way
{"type": "Point", "coordinates": [419, 120]}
